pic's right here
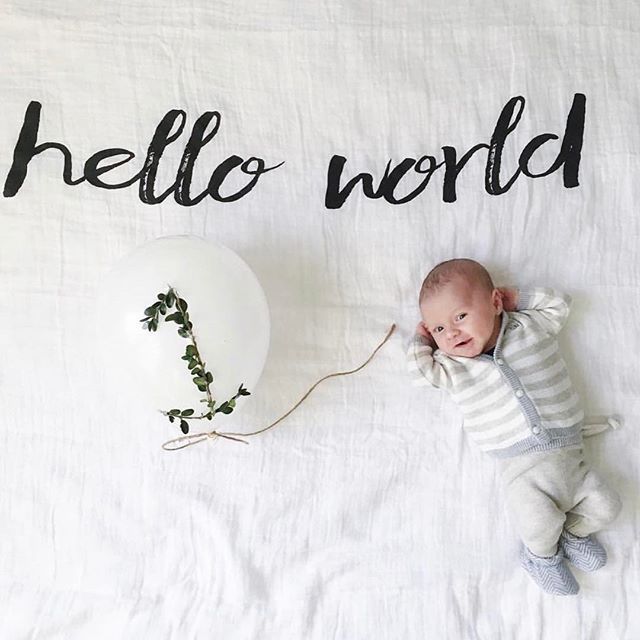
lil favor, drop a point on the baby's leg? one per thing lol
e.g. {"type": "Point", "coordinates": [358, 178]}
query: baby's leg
{"type": "Point", "coordinates": [535, 516]}
{"type": "Point", "coordinates": [596, 505]}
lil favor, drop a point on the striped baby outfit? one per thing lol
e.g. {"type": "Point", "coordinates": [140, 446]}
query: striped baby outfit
{"type": "Point", "coordinates": [520, 399]}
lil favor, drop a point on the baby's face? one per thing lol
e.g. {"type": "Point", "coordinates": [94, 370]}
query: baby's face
{"type": "Point", "coordinates": [463, 318]}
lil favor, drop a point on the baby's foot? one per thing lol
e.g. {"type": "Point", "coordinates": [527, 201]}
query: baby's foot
{"type": "Point", "coordinates": [550, 574]}
{"type": "Point", "coordinates": [585, 553]}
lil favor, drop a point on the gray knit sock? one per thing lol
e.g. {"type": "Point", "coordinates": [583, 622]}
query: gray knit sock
{"type": "Point", "coordinates": [585, 553]}
{"type": "Point", "coordinates": [550, 574]}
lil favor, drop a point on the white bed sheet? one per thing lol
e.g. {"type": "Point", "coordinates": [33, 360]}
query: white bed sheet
{"type": "Point", "coordinates": [366, 515]}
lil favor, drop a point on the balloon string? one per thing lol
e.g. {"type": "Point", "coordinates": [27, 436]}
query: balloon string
{"type": "Point", "coordinates": [195, 438]}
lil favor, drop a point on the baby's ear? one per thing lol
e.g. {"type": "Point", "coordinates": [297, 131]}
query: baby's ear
{"type": "Point", "coordinates": [496, 299]}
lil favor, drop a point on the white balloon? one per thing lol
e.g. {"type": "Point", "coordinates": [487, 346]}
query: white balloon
{"type": "Point", "coordinates": [226, 305]}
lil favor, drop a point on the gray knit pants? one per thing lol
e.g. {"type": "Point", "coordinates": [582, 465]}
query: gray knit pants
{"type": "Point", "coordinates": [546, 492]}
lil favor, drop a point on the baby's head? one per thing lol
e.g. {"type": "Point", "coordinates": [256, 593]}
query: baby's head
{"type": "Point", "coordinates": [461, 308]}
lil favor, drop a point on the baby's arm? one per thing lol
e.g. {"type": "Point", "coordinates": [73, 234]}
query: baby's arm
{"type": "Point", "coordinates": [422, 367]}
{"type": "Point", "coordinates": [549, 308]}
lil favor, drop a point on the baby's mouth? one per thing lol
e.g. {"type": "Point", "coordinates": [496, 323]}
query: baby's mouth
{"type": "Point", "coordinates": [464, 343]}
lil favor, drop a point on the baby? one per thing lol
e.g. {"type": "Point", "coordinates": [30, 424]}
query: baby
{"type": "Point", "coordinates": [495, 351]}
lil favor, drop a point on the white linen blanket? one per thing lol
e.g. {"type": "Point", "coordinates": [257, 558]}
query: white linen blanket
{"type": "Point", "coordinates": [366, 514]}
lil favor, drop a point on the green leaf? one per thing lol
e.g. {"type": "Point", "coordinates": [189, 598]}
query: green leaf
{"type": "Point", "coordinates": [163, 309]}
{"type": "Point", "coordinates": [193, 364]}
{"type": "Point", "coordinates": [226, 410]}
{"type": "Point", "coordinates": [202, 387]}
{"type": "Point", "coordinates": [183, 333]}
{"type": "Point", "coordinates": [170, 299]}
{"type": "Point", "coordinates": [171, 418]}
{"type": "Point", "coordinates": [184, 425]}
{"type": "Point", "coordinates": [223, 407]}
{"type": "Point", "coordinates": [199, 381]}
{"type": "Point", "coordinates": [209, 416]}
{"type": "Point", "coordinates": [161, 296]}
{"type": "Point", "coordinates": [174, 412]}
{"type": "Point", "coordinates": [183, 304]}
{"type": "Point", "coordinates": [209, 377]}
{"type": "Point", "coordinates": [191, 350]}
{"type": "Point", "coordinates": [187, 412]}
{"type": "Point", "coordinates": [150, 311]}
{"type": "Point", "coordinates": [232, 403]}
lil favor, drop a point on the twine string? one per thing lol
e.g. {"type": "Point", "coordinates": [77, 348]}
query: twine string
{"type": "Point", "coordinates": [188, 440]}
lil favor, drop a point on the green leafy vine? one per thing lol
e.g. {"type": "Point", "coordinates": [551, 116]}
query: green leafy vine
{"type": "Point", "coordinates": [196, 365]}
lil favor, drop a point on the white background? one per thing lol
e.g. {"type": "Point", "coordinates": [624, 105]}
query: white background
{"type": "Point", "coordinates": [366, 515]}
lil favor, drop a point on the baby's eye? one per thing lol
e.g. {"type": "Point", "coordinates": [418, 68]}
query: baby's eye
{"type": "Point", "coordinates": [437, 330]}
{"type": "Point", "coordinates": [461, 316]}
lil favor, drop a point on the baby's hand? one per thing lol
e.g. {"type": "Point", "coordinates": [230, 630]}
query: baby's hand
{"type": "Point", "coordinates": [421, 330]}
{"type": "Point", "coordinates": [509, 298]}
